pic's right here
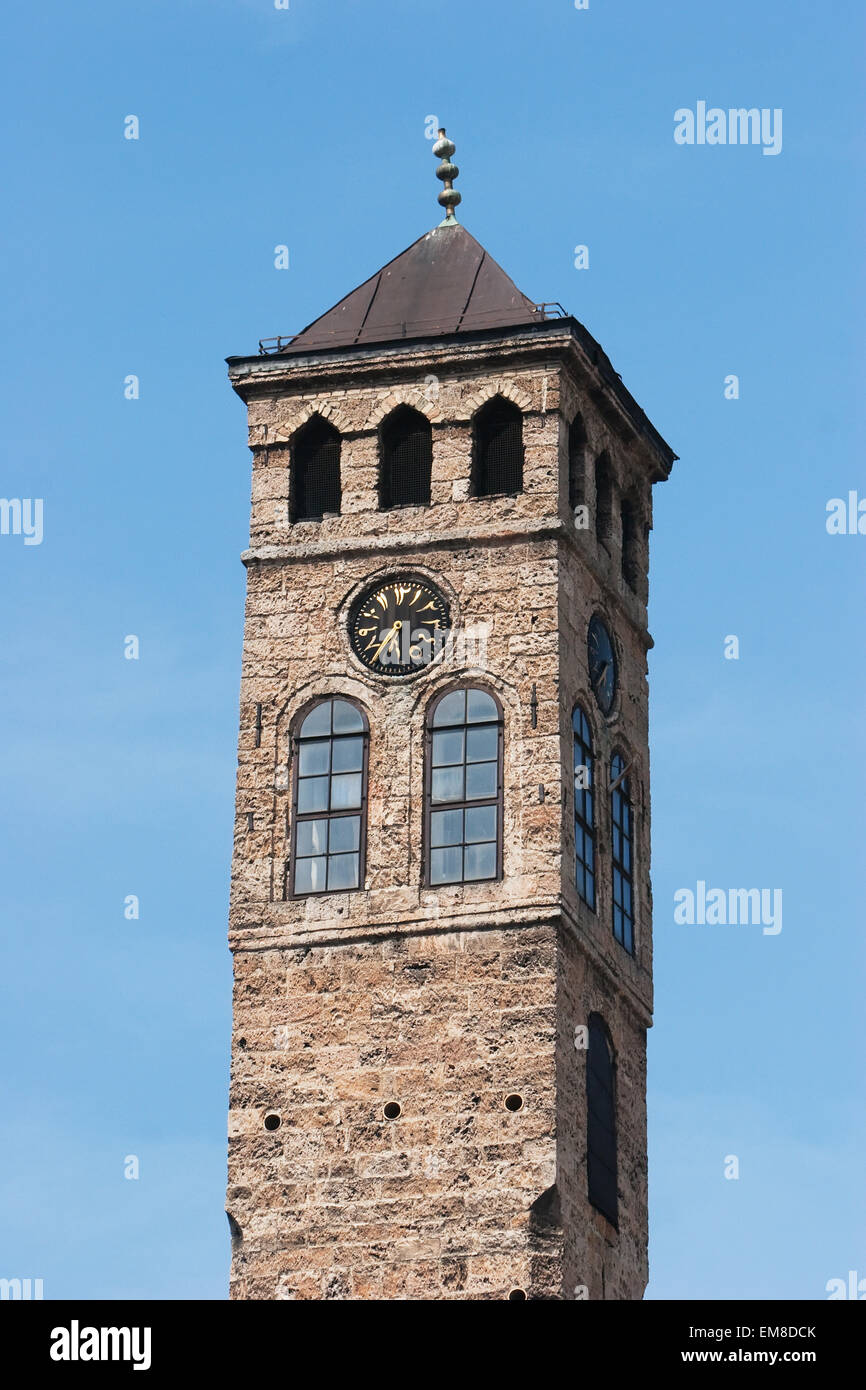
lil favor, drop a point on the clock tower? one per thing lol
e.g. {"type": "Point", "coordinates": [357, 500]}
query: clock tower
{"type": "Point", "coordinates": [441, 904]}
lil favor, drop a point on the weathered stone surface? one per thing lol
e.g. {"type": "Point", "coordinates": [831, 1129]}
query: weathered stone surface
{"type": "Point", "coordinates": [445, 1001]}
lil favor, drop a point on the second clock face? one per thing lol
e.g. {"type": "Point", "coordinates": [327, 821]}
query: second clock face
{"type": "Point", "coordinates": [399, 625]}
{"type": "Point", "coordinates": [602, 664]}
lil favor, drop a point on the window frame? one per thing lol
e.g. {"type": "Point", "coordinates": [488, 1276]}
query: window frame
{"type": "Point", "coordinates": [590, 830]}
{"type": "Point", "coordinates": [361, 810]}
{"type": "Point", "coordinates": [616, 862]}
{"type": "Point", "coordinates": [498, 801]}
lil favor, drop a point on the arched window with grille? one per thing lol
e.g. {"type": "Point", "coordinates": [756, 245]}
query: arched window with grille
{"type": "Point", "coordinates": [601, 1120]}
{"type": "Point", "coordinates": [622, 852]}
{"type": "Point", "coordinates": [584, 809]}
{"type": "Point", "coordinates": [603, 497]}
{"type": "Point", "coordinates": [463, 788]}
{"type": "Point", "coordinates": [576, 463]}
{"type": "Point", "coordinates": [329, 798]}
{"type": "Point", "coordinates": [406, 453]}
{"type": "Point", "coordinates": [497, 449]}
{"type": "Point", "coordinates": [314, 486]}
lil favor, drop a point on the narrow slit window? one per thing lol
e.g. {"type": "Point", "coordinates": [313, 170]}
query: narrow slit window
{"type": "Point", "coordinates": [601, 1145]}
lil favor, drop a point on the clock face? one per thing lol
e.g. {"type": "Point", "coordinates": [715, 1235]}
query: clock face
{"type": "Point", "coordinates": [399, 625]}
{"type": "Point", "coordinates": [602, 664]}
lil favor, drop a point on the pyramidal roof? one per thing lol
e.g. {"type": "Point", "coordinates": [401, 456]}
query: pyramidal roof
{"type": "Point", "coordinates": [444, 283]}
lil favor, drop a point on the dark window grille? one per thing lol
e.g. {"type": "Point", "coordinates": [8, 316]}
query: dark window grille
{"type": "Point", "coordinates": [407, 459]}
{"type": "Point", "coordinates": [603, 498]}
{"type": "Point", "coordinates": [329, 799]}
{"type": "Point", "coordinates": [497, 449]}
{"type": "Point", "coordinates": [601, 1121]}
{"type": "Point", "coordinates": [576, 463]}
{"type": "Point", "coordinates": [463, 781]}
{"type": "Point", "coordinates": [622, 854]}
{"type": "Point", "coordinates": [584, 809]}
{"type": "Point", "coordinates": [315, 471]}
{"type": "Point", "coordinates": [630, 568]}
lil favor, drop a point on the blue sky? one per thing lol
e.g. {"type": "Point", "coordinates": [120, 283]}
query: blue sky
{"type": "Point", "coordinates": [155, 257]}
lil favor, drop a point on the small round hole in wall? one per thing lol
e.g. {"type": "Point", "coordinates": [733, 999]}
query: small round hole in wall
{"type": "Point", "coordinates": [272, 1121]}
{"type": "Point", "coordinates": [517, 1296]}
{"type": "Point", "coordinates": [514, 1102]}
{"type": "Point", "coordinates": [392, 1110]}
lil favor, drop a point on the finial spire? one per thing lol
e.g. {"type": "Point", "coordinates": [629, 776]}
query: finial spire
{"type": "Point", "coordinates": [447, 172]}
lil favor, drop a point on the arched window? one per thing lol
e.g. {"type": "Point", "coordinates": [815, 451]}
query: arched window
{"type": "Point", "coordinates": [330, 798]}
{"type": "Point", "coordinates": [315, 471]}
{"type": "Point", "coordinates": [622, 853]}
{"type": "Point", "coordinates": [464, 788]}
{"type": "Point", "coordinates": [601, 1121]}
{"type": "Point", "coordinates": [630, 568]}
{"type": "Point", "coordinates": [497, 449]}
{"type": "Point", "coordinates": [584, 809]}
{"type": "Point", "coordinates": [406, 451]}
{"type": "Point", "coordinates": [576, 463]}
{"type": "Point", "coordinates": [603, 497]}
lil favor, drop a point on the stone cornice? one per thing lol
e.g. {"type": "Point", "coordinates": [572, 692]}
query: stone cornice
{"type": "Point", "coordinates": [274, 935]}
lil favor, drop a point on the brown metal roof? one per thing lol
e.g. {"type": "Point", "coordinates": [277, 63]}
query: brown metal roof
{"type": "Point", "coordinates": [445, 282]}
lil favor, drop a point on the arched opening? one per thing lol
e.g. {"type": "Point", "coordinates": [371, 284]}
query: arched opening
{"type": "Point", "coordinates": [497, 449]}
{"type": "Point", "coordinates": [576, 463]}
{"type": "Point", "coordinates": [603, 498]}
{"type": "Point", "coordinates": [314, 487]}
{"type": "Point", "coordinates": [406, 454]}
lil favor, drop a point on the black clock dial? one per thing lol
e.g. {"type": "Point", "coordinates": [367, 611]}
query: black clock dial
{"type": "Point", "coordinates": [399, 625]}
{"type": "Point", "coordinates": [602, 664]}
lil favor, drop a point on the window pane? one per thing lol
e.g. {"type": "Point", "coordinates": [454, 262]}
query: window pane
{"type": "Point", "coordinates": [480, 706]}
{"type": "Point", "coordinates": [318, 721]}
{"type": "Point", "coordinates": [310, 875]}
{"type": "Point", "coordinates": [480, 780]}
{"type": "Point", "coordinates": [448, 748]}
{"type": "Point", "coordinates": [313, 757]}
{"type": "Point", "coordinates": [480, 862]}
{"type": "Point", "coordinates": [312, 837]}
{"type": "Point", "coordinates": [312, 794]}
{"type": "Point", "coordinates": [480, 823]}
{"type": "Point", "coordinates": [345, 834]}
{"type": "Point", "coordinates": [447, 784]}
{"type": "Point", "coordinates": [626, 856]}
{"type": "Point", "coordinates": [345, 791]}
{"type": "Point", "coordinates": [481, 744]}
{"type": "Point", "coordinates": [451, 709]}
{"type": "Point", "coordinates": [445, 865]}
{"type": "Point", "coordinates": [348, 754]}
{"type": "Point", "coordinates": [446, 827]}
{"type": "Point", "coordinates": [342, 871]}
{"type": "Point", "coordinates": [347, 719]}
